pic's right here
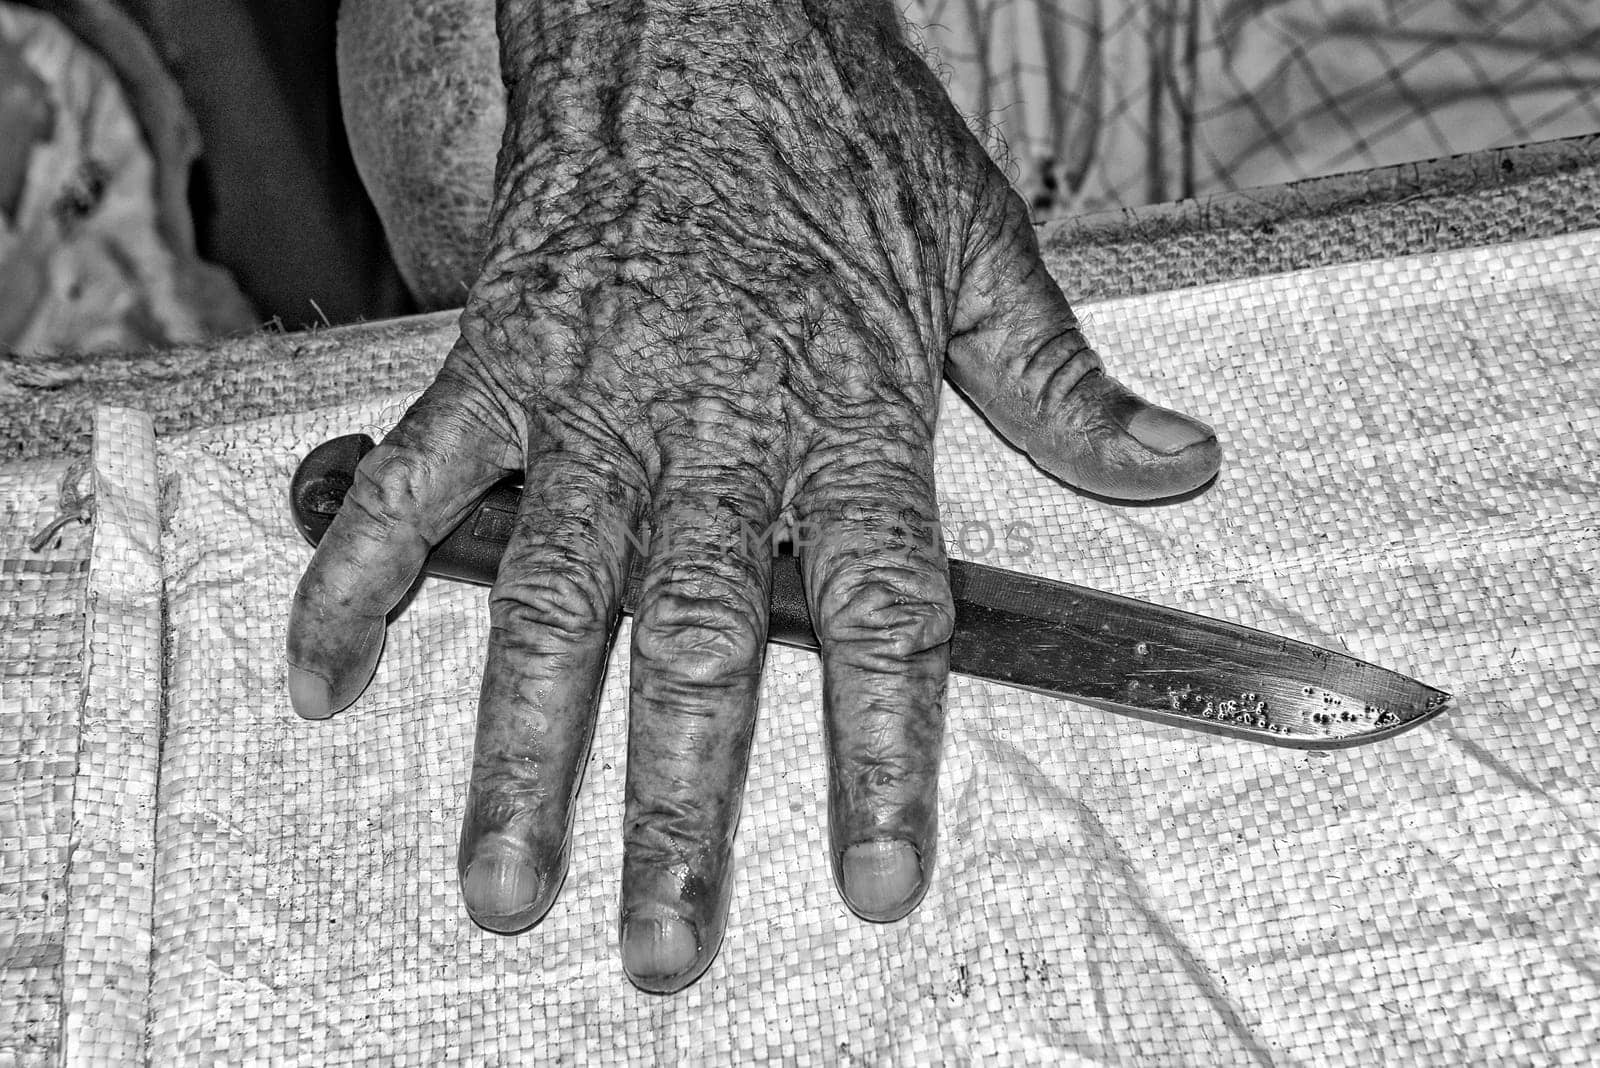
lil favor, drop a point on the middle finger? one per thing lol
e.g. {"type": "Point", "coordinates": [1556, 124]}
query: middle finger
{"type": "Point", "coordinates": [699, 638]}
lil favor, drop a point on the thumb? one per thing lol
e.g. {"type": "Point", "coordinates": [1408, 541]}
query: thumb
{"type": "Point", "coordinates": [1017, 352]}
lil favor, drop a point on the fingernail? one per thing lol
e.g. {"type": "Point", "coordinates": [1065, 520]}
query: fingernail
{"type": "Point", "coordinates": [880, 877]}
{"type": "Point", "coordinates": [1165, 431]}
{"type": "Point", "coordinates": [501, 891]}
{"type": "Point", "coordinates": [310, 695]}
{"type": "Point", "coordinates": [658, 946]}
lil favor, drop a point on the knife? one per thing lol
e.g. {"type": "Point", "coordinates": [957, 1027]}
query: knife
{"type": "Point", "coordinates": [1099, 649]}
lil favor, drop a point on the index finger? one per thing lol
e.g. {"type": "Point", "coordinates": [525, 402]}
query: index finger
{"type": "Point", "coordinates": [409, 493]}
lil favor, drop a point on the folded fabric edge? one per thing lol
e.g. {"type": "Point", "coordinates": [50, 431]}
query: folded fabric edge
{"type": "Point", "coordinates": [105, 976]}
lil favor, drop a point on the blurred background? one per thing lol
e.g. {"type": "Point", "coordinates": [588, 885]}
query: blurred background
{"type": "Point", "coordinates": [1108, 104]}
{"type": "Point", "coordinates": [172, 170]}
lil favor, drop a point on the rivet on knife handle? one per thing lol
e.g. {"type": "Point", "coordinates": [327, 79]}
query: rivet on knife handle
{"type": "Point", "coordinates": [1100, 649]}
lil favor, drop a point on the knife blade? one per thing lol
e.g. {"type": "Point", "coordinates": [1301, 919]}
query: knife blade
{"type": "Point", "coordinates": [1100, 649]}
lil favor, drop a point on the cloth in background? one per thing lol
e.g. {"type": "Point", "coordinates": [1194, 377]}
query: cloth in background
{"type": "Point", "coordinates": [85, 265]}
{"type": "Point", "coordinates": [1097, 104]}
{"type": "Point", "coordinates": [1411, 476]}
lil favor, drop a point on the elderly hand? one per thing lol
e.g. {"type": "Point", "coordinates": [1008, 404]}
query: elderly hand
{"type": "Point", "coordinates": [735, 246]}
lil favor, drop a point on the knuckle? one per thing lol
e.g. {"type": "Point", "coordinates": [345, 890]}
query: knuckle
{"type": "Point", "coordinates": [568, 603]}
{"type": "Point", "coordinates": [332, 593]}
{"type": "Point", "coordinates": [387, 485]}
{"type": "Point", "coordinates": [705, 638]}
{"type": "Point", "coordinates": [871, 771]}
{"type": "Point", "coordinates": [899, 610]}
{"type": "Point", "coordinates": [1068, 371]}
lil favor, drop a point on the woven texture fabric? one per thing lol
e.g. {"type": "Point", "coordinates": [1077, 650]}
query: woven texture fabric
{"type": "Point", "coordinates": [1411, 454]}
{"type": "Point", "coordinates": [41, 669]}
{"type": "Point", "coordinates": [106, 960]}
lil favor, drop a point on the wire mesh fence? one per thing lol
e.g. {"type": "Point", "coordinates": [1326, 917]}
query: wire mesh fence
{"type": "Point", "coordinates": [1096, 104]}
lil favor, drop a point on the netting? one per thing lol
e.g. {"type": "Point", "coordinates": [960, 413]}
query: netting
{"type": "Point", "coordinates": [1104, 104]}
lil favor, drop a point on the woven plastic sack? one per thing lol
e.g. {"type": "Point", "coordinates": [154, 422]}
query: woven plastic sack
{"type": "Point", "coordinates": [1411, 453]}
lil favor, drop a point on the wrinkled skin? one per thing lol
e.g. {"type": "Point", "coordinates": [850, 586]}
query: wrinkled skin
{"type": "Point", "coordinates": [734, 248]}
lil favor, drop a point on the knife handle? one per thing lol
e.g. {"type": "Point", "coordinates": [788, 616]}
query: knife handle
{"type": "Point", "coordinates": [472, 551]}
